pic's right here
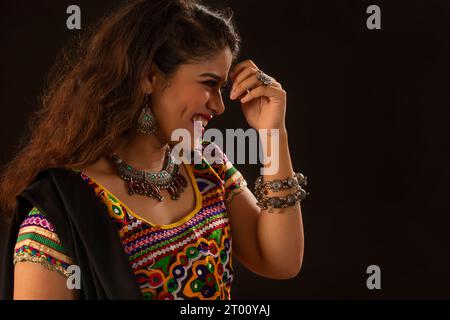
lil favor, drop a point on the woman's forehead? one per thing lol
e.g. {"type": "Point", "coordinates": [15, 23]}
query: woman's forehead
{"type": "Point", "coordinates": [218, 64]}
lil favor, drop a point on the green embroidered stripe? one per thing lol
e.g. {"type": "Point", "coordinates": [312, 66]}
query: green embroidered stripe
{"type": "Point", "coordinates": [230, 172]}
{"type": "Point", "coordinates": [43, 240]}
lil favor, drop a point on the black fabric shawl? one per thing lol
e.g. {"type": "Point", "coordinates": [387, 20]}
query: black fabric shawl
{"type": "Point", "coordinates": [85, 230]}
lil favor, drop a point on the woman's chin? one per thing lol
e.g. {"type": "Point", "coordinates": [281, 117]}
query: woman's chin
{"type": "Point", "coordinates": [193, 138]}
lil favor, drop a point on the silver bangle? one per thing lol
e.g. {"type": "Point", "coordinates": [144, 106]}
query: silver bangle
{"type": "Point", "coordinates": [262, 189]}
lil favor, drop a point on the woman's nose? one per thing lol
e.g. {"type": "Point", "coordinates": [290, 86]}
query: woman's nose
{"type": "Point", "coordinates": [216, 106]}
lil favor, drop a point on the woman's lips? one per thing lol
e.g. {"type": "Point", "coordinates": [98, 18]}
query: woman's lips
{"type": "Point", "coordinates": [208, 117]}
{"type": "Point", "coordinates": [202, 119]}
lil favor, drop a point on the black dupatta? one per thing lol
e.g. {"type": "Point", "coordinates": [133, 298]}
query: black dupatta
{"type": "Point", "coordinates": [85, 230]}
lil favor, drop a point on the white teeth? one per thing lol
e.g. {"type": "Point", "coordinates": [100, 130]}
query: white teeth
{"type": "Point", "coordinates": [200, 118]}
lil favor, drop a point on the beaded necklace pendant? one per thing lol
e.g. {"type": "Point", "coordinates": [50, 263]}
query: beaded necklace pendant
{"type": "Point", "coordinates": [151, 183]}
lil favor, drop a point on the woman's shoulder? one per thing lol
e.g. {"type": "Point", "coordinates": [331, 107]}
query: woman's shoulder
{"type": "Point", "coordinates": [232, 179]}
{"type": "Point", "coordinates": [38, 242]}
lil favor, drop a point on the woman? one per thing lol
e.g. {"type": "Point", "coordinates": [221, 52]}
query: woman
{"type": "Point", "coordinates": [98, 201]}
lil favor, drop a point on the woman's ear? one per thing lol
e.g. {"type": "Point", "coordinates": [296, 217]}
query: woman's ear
{"type": "Point", "coordinates": [150, 79]}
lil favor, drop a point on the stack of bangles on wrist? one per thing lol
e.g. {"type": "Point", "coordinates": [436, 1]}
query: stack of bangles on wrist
{"type": "Point", "coordinates": [297, 181]}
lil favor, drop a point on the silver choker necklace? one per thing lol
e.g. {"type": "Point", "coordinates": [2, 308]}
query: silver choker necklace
{"type": "Point", "coordinates": [151, 183]}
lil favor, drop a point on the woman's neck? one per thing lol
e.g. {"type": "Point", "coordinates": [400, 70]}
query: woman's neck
{"type": "Point", "coordinates": [144, 152]}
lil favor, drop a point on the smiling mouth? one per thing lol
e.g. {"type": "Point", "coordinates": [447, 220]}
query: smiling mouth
{"type": "Point", "coordinates": [201, 119]}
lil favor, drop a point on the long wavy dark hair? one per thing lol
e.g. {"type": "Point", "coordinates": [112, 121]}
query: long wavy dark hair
{"type": "Point", "coordinates": [93, 94]}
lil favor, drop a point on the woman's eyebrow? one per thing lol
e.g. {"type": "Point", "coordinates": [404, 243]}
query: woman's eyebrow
{"type": "Point", "coordinates": [213, 75]}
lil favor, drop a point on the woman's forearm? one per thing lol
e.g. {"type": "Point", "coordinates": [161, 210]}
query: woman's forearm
{"type": "Point", "coordinates": [280, 233]}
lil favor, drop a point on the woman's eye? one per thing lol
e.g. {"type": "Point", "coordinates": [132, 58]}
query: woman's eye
{"type": "Point", "coordinates": [213, 84]}
{"type": "Point", "coordinates": [210, 83]}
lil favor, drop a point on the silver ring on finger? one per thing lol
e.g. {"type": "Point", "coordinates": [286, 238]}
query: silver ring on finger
{"type": "Point", "coordinates": [264, 78]}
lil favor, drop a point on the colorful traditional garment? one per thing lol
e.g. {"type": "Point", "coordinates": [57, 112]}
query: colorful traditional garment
{"type": "Point", "coordinates": [38, 242]}
{"type": "Point", "coordinates": [189, 259]}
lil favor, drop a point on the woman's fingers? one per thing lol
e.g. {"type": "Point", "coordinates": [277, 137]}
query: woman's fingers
{"type": "Point", "coordinates": [245, 85]}
{"type": "Point", "coordinates": [251, 83]}
{"type": "Point", "coordinates": [242, 75]}
{"type": "Point", "coordinates": [263, 91]}
{"type": "Point", "coordinates": [240, 66]}
{"type": "Point", "coordinates": [245, 77]}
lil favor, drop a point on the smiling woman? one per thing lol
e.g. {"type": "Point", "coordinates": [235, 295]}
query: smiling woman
{"type": "Point", "coordinates": [148, 68]}
{"type": "Point", "coordinates": [107, 196]}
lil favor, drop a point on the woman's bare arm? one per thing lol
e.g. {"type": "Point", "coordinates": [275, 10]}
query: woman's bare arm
{"type": "Point", "coordinates": [33, 281]}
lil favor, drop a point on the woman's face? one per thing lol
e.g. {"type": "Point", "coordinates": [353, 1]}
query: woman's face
{"type": "Point", "coordinates": [193, 90]}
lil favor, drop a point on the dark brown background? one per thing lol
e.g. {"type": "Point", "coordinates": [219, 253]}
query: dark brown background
{"type": "Point", "coordinates": [367, 120]}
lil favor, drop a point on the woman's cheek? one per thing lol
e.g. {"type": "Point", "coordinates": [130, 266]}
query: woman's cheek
{"type": "Point", "coordinates": [207, 96]}
{"type": "Point", "coordinates": [201, 96]}
{"type": "Point", "coordinates": [196, 99]}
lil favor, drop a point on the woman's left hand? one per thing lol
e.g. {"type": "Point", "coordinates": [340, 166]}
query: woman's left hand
{"type": "Point", "coordinates": [264, 107]}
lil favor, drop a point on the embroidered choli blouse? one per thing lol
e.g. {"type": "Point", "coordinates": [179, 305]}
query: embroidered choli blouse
{"type": "Point", "coordinates": [189, 259]}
